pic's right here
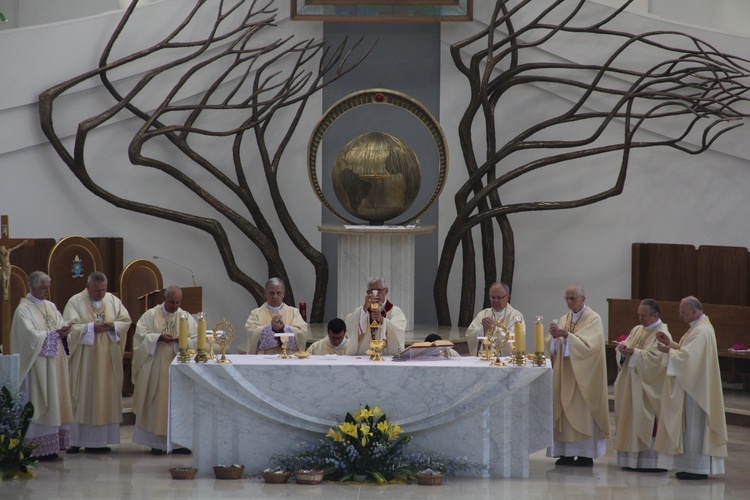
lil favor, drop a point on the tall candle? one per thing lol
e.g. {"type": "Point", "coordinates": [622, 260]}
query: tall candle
{"type": "Point", "coordinates": [520, 337]}
{"type": "Point", "coordinates": [201, 331]}
{"type": "Point", "coordinates": [539, 334]}
{"type": "Point", "coordinates": [183, 331]}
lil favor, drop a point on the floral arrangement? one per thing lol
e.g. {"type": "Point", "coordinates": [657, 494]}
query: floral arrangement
{"type": "Point", "coordinates": [367, 444]}
{"type": "Point", "coordinates": [15, 453]}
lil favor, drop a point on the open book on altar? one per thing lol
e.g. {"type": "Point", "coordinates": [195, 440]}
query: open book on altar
{"type": "Point", "coordinates": [425, 350]}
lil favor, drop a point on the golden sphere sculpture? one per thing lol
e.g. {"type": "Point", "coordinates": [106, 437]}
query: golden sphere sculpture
{"type": "Point", "coordinates": [377, 97]}
{"type": "Point", "coordinates": [376, 177]}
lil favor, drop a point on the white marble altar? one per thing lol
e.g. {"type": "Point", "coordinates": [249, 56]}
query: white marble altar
{"type": "Point", "coordinates": [10, 366]}
{"type": "Point", "coordinates": [257, 406]}
{"type": "Point", "coordinates": [385, 251]}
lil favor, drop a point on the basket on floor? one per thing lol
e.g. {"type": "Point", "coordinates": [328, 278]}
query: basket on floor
{"type": "Point", "coordinates": [224, 472]}
{"type": "Point", "coordinates": [430, 479]}
{"type": "Point", "coordinates": [308, 476]}
{"type": "Point", "coordinates": [276, 477]}
{"type": "Point", "coordinates": [183, 473]}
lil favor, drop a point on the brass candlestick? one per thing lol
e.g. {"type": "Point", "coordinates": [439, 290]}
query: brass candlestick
{"type": "Point", "coordinates": [538, 358]}
{"type": "Point", "coordinates": [183, 356]}
{"type": "Point", "coordinates": [201, 356]}
{"type": "Point", "coordinates": [223, 335]}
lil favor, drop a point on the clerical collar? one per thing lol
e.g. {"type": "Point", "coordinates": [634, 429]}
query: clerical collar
{"type": "Point", "coordinates": [97, 304]}
{"type": "Point", "coordinates": [342, 344]}
{"type": "Point", "coordinates": [692, 323]}
{"type": "Point", "coordinates": [577, 315]}
{"type": "Point", "coordinates": [653, 325]}
{"type": "Point", "coordinates": [34, 299]}
{"type": "Point", "coordinates": [274, 309]}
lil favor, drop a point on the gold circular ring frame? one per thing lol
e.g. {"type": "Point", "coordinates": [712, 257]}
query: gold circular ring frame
{"type": "Point", "coordinates": [377, 97]}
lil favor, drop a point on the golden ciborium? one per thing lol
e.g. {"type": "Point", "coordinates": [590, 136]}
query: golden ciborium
{"type": "Point", "coordinates": [223, 335]}
{"type": "Point", "coordinates": [376, 350]}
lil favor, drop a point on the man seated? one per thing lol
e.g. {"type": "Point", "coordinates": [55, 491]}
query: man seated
{"type": "Point", "coordinates": [376, 310]}
{"type": "Point", "coordinates": [450, 353]}
{"type": "Point", "coordinates": [275, 317]}
{"type": "Point", "coordinates": [335, 343]}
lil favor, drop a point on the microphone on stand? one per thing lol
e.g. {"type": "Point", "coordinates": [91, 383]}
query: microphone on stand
{"type": "Point", "coordinates": [178, 265]}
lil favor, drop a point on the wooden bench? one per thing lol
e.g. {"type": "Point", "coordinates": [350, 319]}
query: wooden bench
{"type": "Point", "coordinates": [731, 323]}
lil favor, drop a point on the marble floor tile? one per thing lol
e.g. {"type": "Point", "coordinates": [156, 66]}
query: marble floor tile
{"type": "Point", "coordinates": [130, 471]}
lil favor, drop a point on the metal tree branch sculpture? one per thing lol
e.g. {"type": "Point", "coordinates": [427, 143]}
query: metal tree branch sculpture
{"type": "Point", "coordinates": [693, 86]}
{"type": "Point", "coordinates": [252, 86]}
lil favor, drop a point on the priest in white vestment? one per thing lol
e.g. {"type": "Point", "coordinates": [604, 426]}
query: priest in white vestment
{"type": "Point", "coordinates": [501, 311]}
{"type": "Point", "coordinates": [99, 331]}
{"type": "Point", "coordinates": [638, 387]}
{"type": "Point", "coordinates": [336, 342]}
{"type": "Point", "coordinates": [272, 318]}
{"type": "Point", "coordinates": [376, 310]}
{"type": "Point", "coordinates": [155, 345]}
{"type": "Point", "coordinates": [38, 333]}
{"type": "Point", "coordinates": [579, 384]}
{"type": "Point", "coordinates": [692, 433]}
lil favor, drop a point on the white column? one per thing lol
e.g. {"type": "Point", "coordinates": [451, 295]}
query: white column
{"type": "Point", "coordinates": [385, 251]}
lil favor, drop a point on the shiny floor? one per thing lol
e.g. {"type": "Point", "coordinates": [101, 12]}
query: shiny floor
{"type": "Point", "coordinates": [130, 471]}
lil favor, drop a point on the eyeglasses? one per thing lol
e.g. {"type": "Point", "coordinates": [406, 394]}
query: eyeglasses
{"type": "Point", "coordinates": [496, 297]}
{"type": "Point", "coordinates": [572, 298]}
{"type": "Point", "coordinates": [377, 290]}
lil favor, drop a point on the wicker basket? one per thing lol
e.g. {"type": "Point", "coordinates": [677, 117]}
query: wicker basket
{"type": "Point", "coordinates": [276, 477]}
{"type": "Point", "coordinates": [430, 479]}
{"type": "Point", "coordinates": [229, 472]}
{"type": "Point", "coordinates": [309, 476]}
{"type": "Point", "coordinates": [183, 473]}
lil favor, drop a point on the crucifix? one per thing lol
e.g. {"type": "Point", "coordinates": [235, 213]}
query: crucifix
{"type": "Point", "coordinates": [7, 245]}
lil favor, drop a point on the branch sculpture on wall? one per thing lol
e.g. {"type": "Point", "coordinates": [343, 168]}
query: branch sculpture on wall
{"type": "Point", "coordinates": [259, 89]}
{"type": "Point", "coordinates": [684, 82]}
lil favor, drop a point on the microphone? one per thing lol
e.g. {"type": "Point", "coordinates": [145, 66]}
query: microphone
{"type": "Point", "coordinates": [178, 265]}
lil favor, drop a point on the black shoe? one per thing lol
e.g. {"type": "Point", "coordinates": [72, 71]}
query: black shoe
{"type": "Point", "coordinates": [565, 461]}
{"type": "Point", "coordinates": [48, 458]}
{"type": "Point", "coordinates": [584, 462]}
{"type": "Point", "coordinates": [73, 450]}
{"type": "Point", "coordinates": [156, 451]}
{"type": "Point", "coordinates": [103, 449]}
{"type": "Point", "coordinates": [182, 451]}
{"type": "Point", "coordinates": [689, 476]}
{"type": "Point", "coordinates": [648, 469]}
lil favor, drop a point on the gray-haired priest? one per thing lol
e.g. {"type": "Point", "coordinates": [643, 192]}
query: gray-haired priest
{"type": "Point", "coordinates": [272, 318]}
{"type": "Point", "coordinates": [376, 309]}
{"type": "Point", "coordinates": [38, 333]}
{"type": "Point", "coordinates": [155, 345]}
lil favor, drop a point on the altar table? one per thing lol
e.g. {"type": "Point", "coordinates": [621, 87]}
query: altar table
{"type": "Point", "coordinates": [258, 406]}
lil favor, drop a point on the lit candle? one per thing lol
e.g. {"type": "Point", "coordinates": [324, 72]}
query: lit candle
{"type": "Point", "coordinates": [183, 331]}
{"type": "Point", "coordinates": [520, 337]}
{"type": "Point", "coordinates": [201, 330]}
{"type": "Point", "coordinates": [539, 334]}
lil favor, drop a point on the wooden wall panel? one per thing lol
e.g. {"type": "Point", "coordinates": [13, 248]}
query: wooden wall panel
{"type": "Point", "coordinates": [663, 271]}
{"type": "Point", "coordinates": [722, 275]}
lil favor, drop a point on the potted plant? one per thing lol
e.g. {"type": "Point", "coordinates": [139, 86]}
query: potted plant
{"type": "Point", "coordinates": [15, 452]}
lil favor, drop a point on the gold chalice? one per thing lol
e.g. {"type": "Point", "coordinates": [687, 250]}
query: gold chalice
{"type": "Point", "coordinates": [284, 341]}
{"type": "Point", "coordinates": [210, 341]}
{"type": "Point", "coordinates": [377, 347]}
{"type": "Point", "coordinates": [486, 353]}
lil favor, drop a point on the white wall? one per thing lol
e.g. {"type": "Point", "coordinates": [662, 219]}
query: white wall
{"type": "Point", "coordinates": [669, 197]}
{"type": "Point", "coordinates": [44, 199]}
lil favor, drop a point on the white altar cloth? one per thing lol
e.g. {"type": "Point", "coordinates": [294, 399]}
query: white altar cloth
{"type": "Point", "coordinates": [258, 406]}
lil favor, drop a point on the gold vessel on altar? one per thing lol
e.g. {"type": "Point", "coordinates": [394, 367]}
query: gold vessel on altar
{"type": "Point", "coordinates": [376, 349]}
